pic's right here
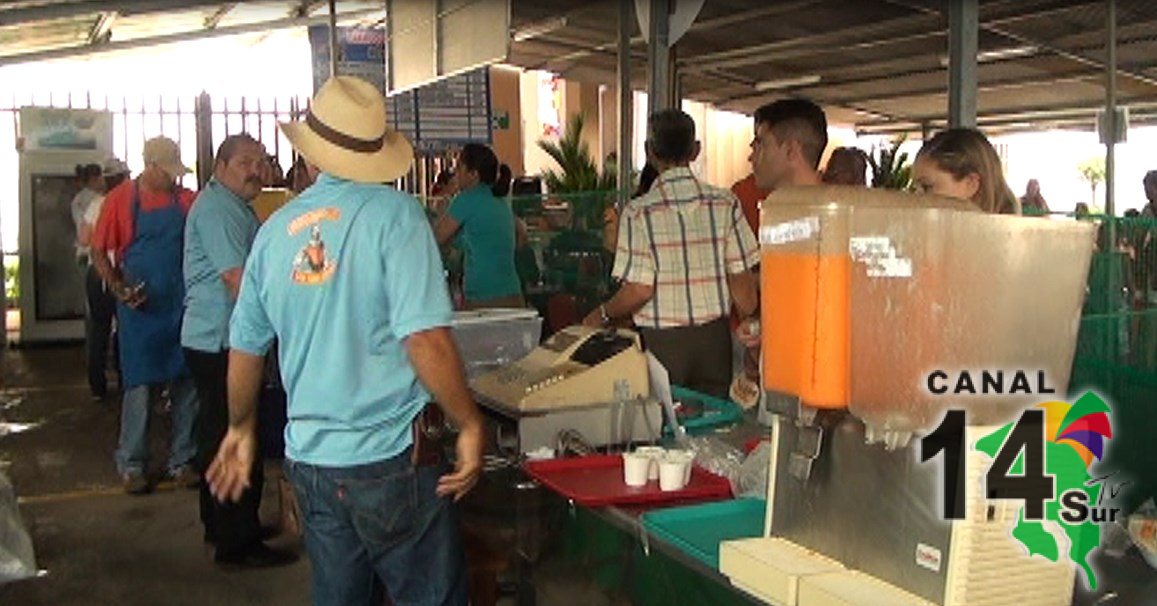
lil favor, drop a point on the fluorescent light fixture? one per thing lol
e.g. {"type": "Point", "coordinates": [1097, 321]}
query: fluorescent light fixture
{"type": "Point", "coordinates": [782, 83]}
{"type": "Point", "coordinates": [534, 30]}
{"type": "Point", "coordinates": [999, 54]}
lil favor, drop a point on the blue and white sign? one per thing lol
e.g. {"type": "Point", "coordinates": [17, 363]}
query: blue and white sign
{"type": "Point", "coordinates": [361, 53]}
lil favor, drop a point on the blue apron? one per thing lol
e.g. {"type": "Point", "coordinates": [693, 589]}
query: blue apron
{"type": "Point", "coordinates": [150, 336]}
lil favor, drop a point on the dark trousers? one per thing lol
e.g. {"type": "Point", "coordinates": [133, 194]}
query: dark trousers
{"type": "Point", "coordinates": [97, 330]}
{"type": "Point", "coordinates": [696, 357]}
{"type": "Point", "coordinates": [233, 527]}
{"type": "Point", "coordinates": [380, 522]}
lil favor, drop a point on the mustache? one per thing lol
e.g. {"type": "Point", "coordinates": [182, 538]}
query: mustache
{"type": "Point", "coordinates": [254, 179]}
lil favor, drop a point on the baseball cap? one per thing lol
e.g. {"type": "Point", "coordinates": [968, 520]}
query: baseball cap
{"type": "Point", "coordinates": [113, 166]}
{"type": "Point", "coordinates": [165, 153]}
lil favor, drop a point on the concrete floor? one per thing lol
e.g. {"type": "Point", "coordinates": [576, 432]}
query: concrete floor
{"type": "Point", "coordinates": [100, 546]}
{"type": "Point", "coordinates": [96, 544]}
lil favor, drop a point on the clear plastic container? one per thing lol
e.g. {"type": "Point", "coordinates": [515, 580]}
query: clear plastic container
{"type": "Point", "coordinates": [867, 292]}
{"type": "Point", "coordinates": [490, 338]}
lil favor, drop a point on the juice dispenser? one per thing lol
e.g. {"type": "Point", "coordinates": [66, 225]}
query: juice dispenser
{"type": "Point", "coordinates": [865, 293]}
{"type": "Point", "coordinates": [811, 244]}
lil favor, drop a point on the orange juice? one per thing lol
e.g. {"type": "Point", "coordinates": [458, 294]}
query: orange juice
{"type": "Point", "coordinates": [806, 326]}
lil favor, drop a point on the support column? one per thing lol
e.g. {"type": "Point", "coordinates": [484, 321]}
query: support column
{"type": "Point", "coordinates": [626, 105]}
{"type": "Point", "coordinates": [963, 27]}
{"type": "Point", "coordinates": [332, 38]}
{"type": "Point", "coordinates": [203, 126]}
{"type": "Point", "coordinates": [659, 57]}
{"type": "Point", "coordinates": [1111, 115]}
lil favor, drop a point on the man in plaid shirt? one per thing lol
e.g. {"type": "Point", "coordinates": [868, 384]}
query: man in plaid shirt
{"type": "Point", "coordinates": [685, 252]}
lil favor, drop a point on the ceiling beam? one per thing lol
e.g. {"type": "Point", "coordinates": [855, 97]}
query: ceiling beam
{"type": "Point", "coordinates": [307, 8]}
{"type": "Point", "coordinates": [1043, 45]}
{"type": "Point", "coordinates": [232, 30]}
{"type": "Point", "coordinates": [212, 21]}
{"type": "Point", "coordinates": [699, 26]}
{"type": "Point", "coordinates": [869, 35]}
{"type": "Point", "coordinates": [1027, 113]}
{"type": "Point", "coordinates": [899, 62]}
{"type": "Point", "coordinates": [986, 87]}
{"type": "Point", "coordinates": [101, 31]}
{"type": "Point", "coordinates": [50, 12]}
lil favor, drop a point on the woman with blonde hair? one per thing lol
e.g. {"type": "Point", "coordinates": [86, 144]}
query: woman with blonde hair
{"type": "Point", "coordinates": [961, 163]}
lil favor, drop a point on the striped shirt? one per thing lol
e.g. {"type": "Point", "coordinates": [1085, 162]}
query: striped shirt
{"type": "Point", "coordinates": [683, 238]}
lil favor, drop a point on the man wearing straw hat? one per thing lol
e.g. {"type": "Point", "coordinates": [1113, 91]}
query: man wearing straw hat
{"type": "Point", "coordinates": [348, 279]}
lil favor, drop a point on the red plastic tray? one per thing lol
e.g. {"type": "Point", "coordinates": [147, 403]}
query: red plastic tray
{"type": "Point", "coordinates": [597, 480]}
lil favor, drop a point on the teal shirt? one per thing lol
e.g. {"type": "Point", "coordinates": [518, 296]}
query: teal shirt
{"type": "Point", "coordinates": [487, 240]}
{"type": "Point", "coordinates": [340, 276]}
{"type": "Point", "coordinates": [218, 233]}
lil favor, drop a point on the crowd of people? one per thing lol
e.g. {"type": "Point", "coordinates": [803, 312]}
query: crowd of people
{"type": "Point", "coordinates": [344, 288]}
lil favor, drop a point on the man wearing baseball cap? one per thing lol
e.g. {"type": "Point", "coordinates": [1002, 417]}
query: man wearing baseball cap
{"type": "Point", "coordinates": [348, 280]}
{"type": "Point", "coordinates": [137, 247]}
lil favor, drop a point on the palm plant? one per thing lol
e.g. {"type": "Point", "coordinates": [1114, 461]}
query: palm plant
{"type": "Point", "coordinates": [890, 168]}
{"type": "Point", "coordinates": [578, 174]}
{"type": "Point", "coordinates": [1093, 172]}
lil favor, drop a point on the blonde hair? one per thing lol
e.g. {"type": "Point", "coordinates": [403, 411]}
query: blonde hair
{"type": "Point", "coordinates": [963, 151]}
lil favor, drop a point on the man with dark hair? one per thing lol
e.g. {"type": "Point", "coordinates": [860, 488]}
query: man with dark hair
{"type": "Point", "coordinates": [218, 236]}
{"type": "Point", "coordinates": [684, 253]}
{"type": "Point", "coordinates": [790, 137]}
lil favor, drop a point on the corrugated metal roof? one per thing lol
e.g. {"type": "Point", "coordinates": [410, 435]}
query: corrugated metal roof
{"type": "Point", "coordinates": [880, 63]}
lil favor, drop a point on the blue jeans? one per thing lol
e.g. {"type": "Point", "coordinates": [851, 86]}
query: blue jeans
{"type": "Point", "coordinates": [380, 519]}
{"type": "Point", "coordinates": [132, 455]}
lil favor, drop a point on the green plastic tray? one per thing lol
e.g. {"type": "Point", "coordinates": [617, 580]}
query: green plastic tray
{"type": "Point", "coordinates": [699, 529]}
{"type": "Point", "coordinates": [716, 412]}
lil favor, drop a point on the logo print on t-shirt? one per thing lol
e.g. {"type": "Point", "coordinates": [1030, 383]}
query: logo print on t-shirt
{"type": "Point", "coordinates": [311, 265]}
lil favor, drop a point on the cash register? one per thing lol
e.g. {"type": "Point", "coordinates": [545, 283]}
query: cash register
{"type": "Point", "coordinates": [585, 380]}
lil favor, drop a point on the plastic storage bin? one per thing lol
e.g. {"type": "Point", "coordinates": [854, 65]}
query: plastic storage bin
{"type": "Point", "coordinates": [490, 338]}
{"type": "Point", "coordinates": [866, 292]}
{"type": "Point", "coordinates": [699, 529]}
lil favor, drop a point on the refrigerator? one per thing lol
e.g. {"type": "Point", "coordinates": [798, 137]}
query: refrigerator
{"type": "Point", "coordinates": [53, 142]}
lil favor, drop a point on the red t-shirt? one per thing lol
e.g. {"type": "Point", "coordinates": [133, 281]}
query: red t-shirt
{"type": "Point", "coordinates": [750, 195]}
{"type": "Point", "coordinates": [114, 228]}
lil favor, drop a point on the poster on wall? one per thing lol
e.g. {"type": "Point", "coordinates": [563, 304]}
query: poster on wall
{"type": "Point", "coordinates": [59, 129]}
{"type": "Point", "coordinates": [361, 52]}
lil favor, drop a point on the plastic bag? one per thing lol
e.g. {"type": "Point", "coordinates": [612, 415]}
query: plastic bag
{"type": "Point", "coordinates": [718, 457]}
{"type": "Point", "coordinates": [753, 473]}
{"type": "Point", "coordinates": [17, 560]}
{"type": "Point", "coordinates": [1143, 531]}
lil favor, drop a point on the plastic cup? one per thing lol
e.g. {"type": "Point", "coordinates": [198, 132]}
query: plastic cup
{"type": "Point", "coordinates": [683, 456]}
{"type": "Point", "coordinates": [635, 468]}
{"type": "Point", "coordinates": [655, 454]}
{"type": "Point", "coordinates": [671, 473]}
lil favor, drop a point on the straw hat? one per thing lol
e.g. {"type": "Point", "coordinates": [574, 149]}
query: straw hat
{"type": "Point", "coordinates": [345, 134]}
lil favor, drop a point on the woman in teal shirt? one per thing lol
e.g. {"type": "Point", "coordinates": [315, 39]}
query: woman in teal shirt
{"type": "Point", "coordinates": [485, 226]}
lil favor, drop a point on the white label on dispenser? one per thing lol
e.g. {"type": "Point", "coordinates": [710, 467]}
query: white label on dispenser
{"type": "Point", "coordinates": [928, 557]}
{"type": "Point", "coordinates": [789, 231]}
{"type": "Point", "coordinates": [879, 257]}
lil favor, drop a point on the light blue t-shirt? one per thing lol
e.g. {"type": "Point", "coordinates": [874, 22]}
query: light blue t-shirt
{"type": "Point", "coordinates": [487, 239]}
{"type": "Point", "coordinates": [218, 233]}
{"type": "Point", "coordinates": [341, 276]}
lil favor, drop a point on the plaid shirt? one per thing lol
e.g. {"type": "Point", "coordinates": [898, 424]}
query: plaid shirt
{"type": "Point", "coordinates": [683, 237]}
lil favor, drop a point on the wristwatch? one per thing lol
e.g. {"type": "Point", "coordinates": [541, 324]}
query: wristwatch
{"type": "Point", "coordinates": [603, 314]}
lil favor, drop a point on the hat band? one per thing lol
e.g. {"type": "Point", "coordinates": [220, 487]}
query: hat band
{"type": "Point", "coordinates": [343, 140]}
